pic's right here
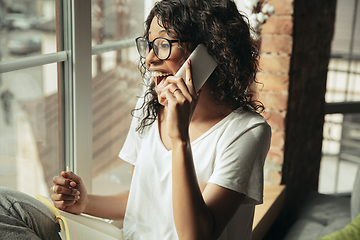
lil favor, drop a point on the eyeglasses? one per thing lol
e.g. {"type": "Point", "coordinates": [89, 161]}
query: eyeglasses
{"type": "Point", "coordinates": [160, 45]}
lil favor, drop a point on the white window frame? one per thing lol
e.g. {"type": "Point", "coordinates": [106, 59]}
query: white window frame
{"type": "Point", "coordinates": [77, 85]}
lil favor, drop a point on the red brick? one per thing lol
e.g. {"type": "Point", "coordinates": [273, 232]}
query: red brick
{"type": "Point", "coordinates": [271, 43]}
{"type": "Point", "coordinates": [282, 7]}
{"type": "Point", "coordinates": [272, 82]}
{"type": "Point", "coordinates": [278, 25]}
{"type": "Point", "coordinates": [274, 63]}
{"type": "Point", "coordinates": [274, 100]}
{"type": "Point", "coordinates": [275, 155]}
{"type": "Point", "coordinates": [275, 119]}
{"type": "Point", "coordinates": [278, 140]}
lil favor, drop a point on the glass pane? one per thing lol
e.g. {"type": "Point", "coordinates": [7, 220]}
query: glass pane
{"type": "Point", "coordinates": [344, 68]}
{"type": "Point", "coordinates": [347, 19]}
{"type": "Point", "coordinates": [29, 140]}
{"type": "Point", "coordinates": [114, 20]}
{"type": "Point", "coordinates": [116, 83]}
{"type": "Point", "coordinates": [341, 153]}
{"type": "Point", "coordinates": [341, 137]}
{"type": "Point", "coordinates": [27, 28]}
{"type": "Point", "coordinates": [343, 83]}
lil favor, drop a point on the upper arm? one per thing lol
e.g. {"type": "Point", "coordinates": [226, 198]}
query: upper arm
{"type": "Point", "coordinates": [240, 165]}
{"type": "Point", "coordinates": [238, 171]}
{"type": "Point", "coordinates": [223, 203]}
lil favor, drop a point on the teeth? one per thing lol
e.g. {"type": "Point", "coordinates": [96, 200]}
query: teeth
{"type": "Point", "coordinates": [159, 74]}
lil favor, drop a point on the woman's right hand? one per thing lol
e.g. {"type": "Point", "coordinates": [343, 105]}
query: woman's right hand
{"type": "Point", "coordinates": [69, 193]}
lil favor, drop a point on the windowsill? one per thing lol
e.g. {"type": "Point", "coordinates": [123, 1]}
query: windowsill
{"type": "Point", "coordinates": [266, 213]}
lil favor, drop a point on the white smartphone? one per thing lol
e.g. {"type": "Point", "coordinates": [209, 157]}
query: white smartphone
{"type": "Point", "coordinates": [202, 65]}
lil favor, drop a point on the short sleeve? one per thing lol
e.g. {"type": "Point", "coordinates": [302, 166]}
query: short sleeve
{"type": "Point", "coordinates": [240, 164]}
{"type": "Point", "coordinates": [132, 143]}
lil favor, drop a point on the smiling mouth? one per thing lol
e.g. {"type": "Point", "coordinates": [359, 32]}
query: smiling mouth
{"type": "Point", "coordinates": [159, 76]}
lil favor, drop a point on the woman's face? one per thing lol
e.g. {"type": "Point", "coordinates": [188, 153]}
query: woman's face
{"type": "Point", "coordinates": [160, 69]}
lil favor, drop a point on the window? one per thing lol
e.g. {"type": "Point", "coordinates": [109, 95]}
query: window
{"type": "Point", "coordinates": [29, 156]}
{"type": "Point", "coordinates": [79, 71]}
{"type": "Point", "coordinates": [341, 154]}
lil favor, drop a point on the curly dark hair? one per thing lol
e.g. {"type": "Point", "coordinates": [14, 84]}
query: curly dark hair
{"type": "Point", "coordinates": [226, 33]}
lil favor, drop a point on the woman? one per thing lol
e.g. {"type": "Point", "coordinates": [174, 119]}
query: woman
{"type": "Point", "coordinates": [198, 157]}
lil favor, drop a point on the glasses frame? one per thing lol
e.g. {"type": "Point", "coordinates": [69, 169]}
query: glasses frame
{"type": "Point", "coordinates": [151, 44]}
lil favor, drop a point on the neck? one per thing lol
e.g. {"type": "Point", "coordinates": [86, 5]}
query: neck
{"type": "Point", "coordinates": [208, 110]}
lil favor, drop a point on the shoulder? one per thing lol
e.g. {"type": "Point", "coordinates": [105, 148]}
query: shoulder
{"type": "Point", "coordinates": [245, 120]}
{"type": "Point", "coordinates": [244, 126]}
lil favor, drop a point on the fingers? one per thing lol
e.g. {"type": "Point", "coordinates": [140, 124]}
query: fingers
{"type": "Point", "coordinates": [69, 193]}
{"type": "Point", "coordinates": [66, 183]}
{"type": "Point", "coordinates": [64, 197]}
{"type": "Point", "coordinates": [188, 75]}
{"type": "Point", "coordinates": [67, 198]}
{"type": "Point", "coordinates": [185, 85]}
{"type": "Point", "coordinates": [62, 204]}
{"type": "Point", "coordinates": [170, 96]}
{"type": "Point", "coordinates": [178, 89]}
{"type": "Point", "coordinates": [71, 176]}
{"type": "Point", "coordinates": [176, 94]}
{"type": "Point", "coordinates": [58, 189]}
{"type": "Point", "coordinates": [64, 194]}
{"type": "Point", "coordinates": [61, 181]}
{"type": "Point", "coordinates": [64, 187]}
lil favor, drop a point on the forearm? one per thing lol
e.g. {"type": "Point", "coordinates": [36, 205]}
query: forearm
{"type": "Point", "coordinates": [193, 220]}
{"type": "Point", "coordinates": [108, 207]}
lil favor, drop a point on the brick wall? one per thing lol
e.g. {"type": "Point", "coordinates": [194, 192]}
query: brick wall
{"type": "Point", "coordinates": [295, 52]}
{"type": "Point", "coordinates": [276, 49]}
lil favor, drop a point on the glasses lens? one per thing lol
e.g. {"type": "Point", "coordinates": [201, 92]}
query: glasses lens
{"type": "Point", "coordinates": [142, 46]}
{"type": "Point", "coordinates": [162, 48]}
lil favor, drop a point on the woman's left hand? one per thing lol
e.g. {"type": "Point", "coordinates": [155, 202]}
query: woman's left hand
{"type": "Point", "coordinates": [181, 102]}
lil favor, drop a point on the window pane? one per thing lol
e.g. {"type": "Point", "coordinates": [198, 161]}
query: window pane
{"type": "Point", "coordinates": [344, 68]}
{"type": "Point", "coordinates": [27, 28]}
{"type": "Point", "coordinates": [114, 20]}
{"type": "Point", "coordinates": [343, 83]}
{"type": "Point", "coordinates": [114, 96]}
{"type": "Point", "coordinates": [29, 141]}
{"type": "Point", "coordinates": [345, 18]}
{"type": "Point", "coordinates": [116, 83]}
{"type": "Point", "coordinates": [341, 136]}
{"type": "Point", "coordinates": [341, 153]}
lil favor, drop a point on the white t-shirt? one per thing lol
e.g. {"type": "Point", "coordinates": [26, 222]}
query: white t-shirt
{"type": "Point", "coordinates": [230, 154]}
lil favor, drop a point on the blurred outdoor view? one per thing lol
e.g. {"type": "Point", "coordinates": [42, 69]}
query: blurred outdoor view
{"type": "Point", "coordinates": [29, 138]}
{"type": "Point", "coordinates": [29, 106]}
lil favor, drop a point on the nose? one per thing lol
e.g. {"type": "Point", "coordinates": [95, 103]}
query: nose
{"type": "Point", "coordinates": [151, 58]}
